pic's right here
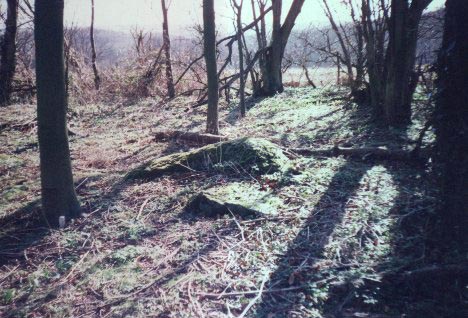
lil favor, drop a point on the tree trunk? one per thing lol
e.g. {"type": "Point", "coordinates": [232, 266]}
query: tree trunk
{"type": "Point", "coordinates": [58, 192]}
{"type": "Point", "coordinates": [97, 78]}
{"type": "Point", "coordinates": [272, 75]}
{"type": "Point", "coordinates": [338, 69]}
{"type": "Point", "coordinates": [8, 52]}
{"type": "Point", "coordinates": [238, 8]}
{"type": "Point", "coordinates": [272, 78]}
{"type": "Point", "coordinates": [374, 32]}
{"type": "Point", "coordinates": [401, 55]}
{"type": "Point", "coordinates": [167, 51]}
{"type": "Point", "coordinates": [209, 36]}
{"type": "Point", "coordinates": [451, 123]}
{"type": "Point", "coordinates": [345, 46]}
{"type": "Point", "coordinates": [261, 44]}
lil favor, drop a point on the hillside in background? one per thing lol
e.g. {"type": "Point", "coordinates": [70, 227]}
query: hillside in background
{"type": "Point", "coordinates": [115, 45]}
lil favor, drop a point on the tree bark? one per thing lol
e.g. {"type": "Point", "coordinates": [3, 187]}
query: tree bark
{"type": "Point", "coordinates": [167, 52]}
{"type": "Point", "coordinates": [209, 36]}
{"type": "Point", "coordinates": [272, 78]}
{"type": "Point", "coordinates": [363, 153]}
{"type": "Point", "coordinates": [238, 8]}
{"type": "Point", "coordinates": [401, 55]}
{"type": "Point", "coordinates": [264, 42]}
{"type": "Point", "coordinates": [58, 192]}
{"type": "Point", "coordinates": [261, 44]}
{"type": "Point", "coordinates": [97, 78]}
{"type": "Point", "coordinates": [451, 124]}
{"type": "Point", "coordinates": [272, 75]}
{"type": "Point", "coordinates": [8, 52]}
{"type": "Point", "coordinates": [374, 32]}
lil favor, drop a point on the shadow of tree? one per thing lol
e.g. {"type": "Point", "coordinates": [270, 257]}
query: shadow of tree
{"type": "Point", "coordinates": [26, 227]}
{"type": "Point", "coordinates": [418, 278]}
{"type": "Point", "coordinates": [21, 229]}
{"type": "Point", "coordinates": [234, 115]}
{"type": "Point", "coordinates": [16, 246]}
{"type": "Point", "coordinates": [305, 249]}
{"type": "Point", "coordinates": [421, 278]}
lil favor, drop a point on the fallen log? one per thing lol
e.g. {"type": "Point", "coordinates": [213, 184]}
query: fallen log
{"type": "Point", "coordinates": [19, 127]}
{"type": "Point", "coordinates": [193, 137]}
{"type": "Point", "coordinates": [361, 153]}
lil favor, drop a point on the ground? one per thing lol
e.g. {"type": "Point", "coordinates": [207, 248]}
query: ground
{"type": "Point", "coordinates": [344, 231]}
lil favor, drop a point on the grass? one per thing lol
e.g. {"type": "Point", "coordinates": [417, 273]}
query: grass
{"type": "Point", "coordinates": [342, 226]}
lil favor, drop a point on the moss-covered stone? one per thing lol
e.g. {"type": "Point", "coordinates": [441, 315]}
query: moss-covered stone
{"type": "Point", "coordinates": [237, 198]}
{"type": "Point", "coordinates": [254, 155]}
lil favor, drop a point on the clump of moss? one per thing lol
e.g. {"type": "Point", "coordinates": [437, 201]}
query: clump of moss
{"type": "Point", "coordinates": [237, 198]}
{"type": "Point", "coordinates": [255, 155]}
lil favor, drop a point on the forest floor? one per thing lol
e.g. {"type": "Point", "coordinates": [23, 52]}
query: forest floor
{"type": "Point", "coordinates": [348, 240]}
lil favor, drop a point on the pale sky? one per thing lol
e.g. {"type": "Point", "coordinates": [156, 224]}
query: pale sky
{"type": "Point", "coordinates": [124, 14]}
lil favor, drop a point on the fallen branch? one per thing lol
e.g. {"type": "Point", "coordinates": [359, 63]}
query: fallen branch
{"type": "Point", "coordinates": [189, 137]}
{"type": "Point", "coordinates": [19, 127]}
{"type": "Point", "coordinates": [256, 292]}
{"type": "Point", "coordinates": [435, 272]}
{"type": "Point", "coordinates": [229, 80]}
{"type": "Point", "coordinates": [255, 299]}
{"type": "Point", "coordinates": [361, 153]}
{"type": "Point", "coordinates": [188, 68]}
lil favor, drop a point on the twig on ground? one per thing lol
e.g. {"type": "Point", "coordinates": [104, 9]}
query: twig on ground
{"type": "Point", "coordinates": [253, 301]}
{"type": "Point", "coordinates": [254, 292]}
{"type": "Point", "coordinates": [141, 208]}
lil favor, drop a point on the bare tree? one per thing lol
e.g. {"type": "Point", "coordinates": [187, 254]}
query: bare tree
{"type": "Point", "coordinates": [260, 31]}
{"type": "Point", "coordinates": [350, 38]}
{"type": "Point", "coordinates": [237, 6]}
{"type": "Point", "coordinates": [401, 54]}
{"type": "Point", "coordinates": [97, 78]}
{"type": "Point", "coordinates": [452, 123]}
{"type": "Point", "coordinates": [271, 74]}
{"type": "Point", "coordinates": [167, 51]}
{"type": "Point", "coordinates": [8, 52]}
{"type": "Point", "coordinates": [142, 41]}
{"type": "Point", "coordinates": [375, 21]}
{"type": "Point", "coordinates": [209, 35]}
{"type": "Point", "coordinates": [58, 192]}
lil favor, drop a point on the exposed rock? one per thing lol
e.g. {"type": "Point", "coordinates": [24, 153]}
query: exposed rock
{"type": "Point", "coordinates": [237, 198]}
{"type": "Point", "coordinates": [254, 155]}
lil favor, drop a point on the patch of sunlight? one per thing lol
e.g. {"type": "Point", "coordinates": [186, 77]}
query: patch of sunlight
{"type": "Point", "coordinates": [365, 234]}
{"type": "Point", "coordinates": [314, 181]}
{"type": "Point", "coordinates": [295, 102]}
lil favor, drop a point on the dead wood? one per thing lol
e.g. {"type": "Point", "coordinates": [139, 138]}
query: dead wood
{"type": "Point", "coordinates": [361, 153]}
{"type": "Point", "coordinates": [192, 137]}
{"type": "Point", "coordinates": [19, 127]}
{"type": "Point", "coordinates": [446, 272]}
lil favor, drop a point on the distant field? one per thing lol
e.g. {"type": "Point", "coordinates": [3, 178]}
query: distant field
{"type": "Point", "coordinates": [321, 76]}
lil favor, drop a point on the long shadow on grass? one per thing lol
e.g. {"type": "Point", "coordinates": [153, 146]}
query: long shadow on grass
{"type": "Point", "coordinates": [416, 278]}
{"type": "Point", "coordinates": [305, 249]}
{"type": "Point", "coordinates": [26, 226]}
{"type": "Point", "coordinates": [419, 279]}
{"type": "Point", "coordinates": [23, 228]}
{"type": "Point", "coordinates": [36, 231]}
{"type": "Point", "coordinates": [234, 115]}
